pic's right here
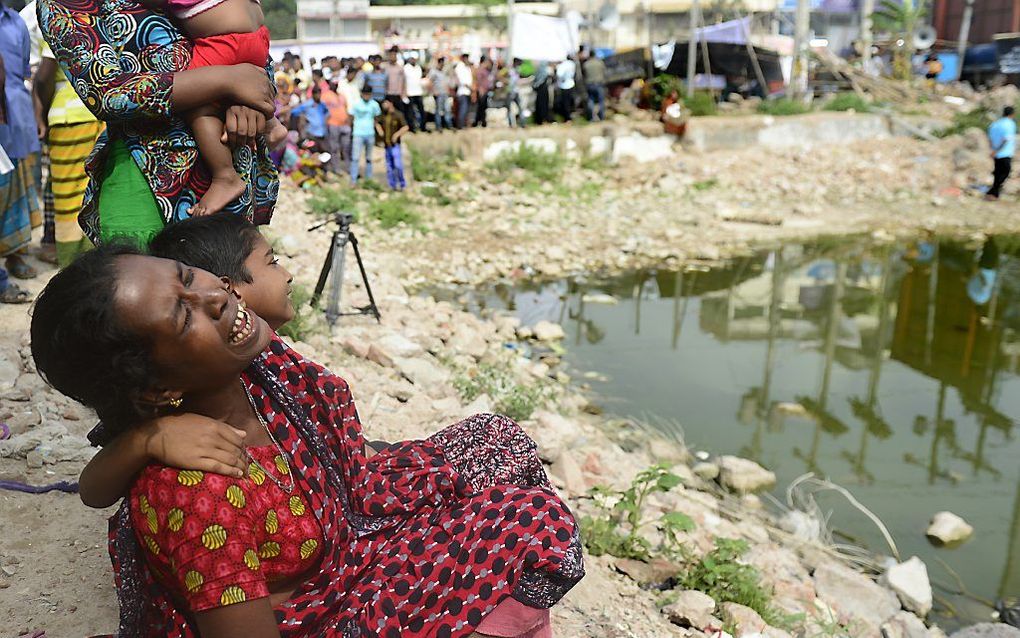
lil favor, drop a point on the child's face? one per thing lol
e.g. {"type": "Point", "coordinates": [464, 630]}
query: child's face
{"type": "Point", "coordinates": [268, 294]}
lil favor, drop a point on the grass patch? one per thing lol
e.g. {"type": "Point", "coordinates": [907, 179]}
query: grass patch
{"type": "Point", "coordinates": [704, 184]}
{"type": "Point", "coordinates": [427, 167]}
{"type": "Point", "coordinates": [720, 575]}
{"type": "Point", "coordinates": [303, 324]}
{"type": "Point", "coordinates": [978, 118]}
{"type": "Point", "coordinates": [509, 395]}
{"type": "Point", "coordinates": [538, 164]}
{"type": "Point", "coordinates": [848, 102]}
{"type": "Point", "coordinates": [783, 106]}
{"type": "Point", "coordinates": [594, 162]}
{"type": "Point", "coordinates": [701, 103]}
{"type": "Point", "coordinates": [326, 200]}
{"type": "Point", "coordinates": [614, 530]}
{"type": "Point", "coordinates": [395, 211]}
{"type": "Point", "coordinates": [437, 195]}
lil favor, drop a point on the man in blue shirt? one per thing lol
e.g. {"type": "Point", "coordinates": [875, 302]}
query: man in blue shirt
{"type": "Point", "coordinates": [1002, 137]}
{"type": "Point", "coordinates": [363, 113]}
{"type": "Point", "coordinates": [315, 113]}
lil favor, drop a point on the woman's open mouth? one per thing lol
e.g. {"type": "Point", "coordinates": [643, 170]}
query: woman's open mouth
{"type": "Point", "coordinates": [244, 326]}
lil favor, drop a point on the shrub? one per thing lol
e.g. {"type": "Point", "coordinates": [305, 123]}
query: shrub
{"type": "Point", "coordinates": [848, 102]}
{"type": "Point", "coordinates": [303, 324]}
{"type": "Point", "coordinates": [720, 575]}
{"type": "Point", "coordinates": [511, 397]}
{"type": "Point", "coordinates": [978, 118]}
{"type": "Point", "coordinates": [701, 103]}
{"type": "Point", "coordinates": [538, 164]}
{"type": "Point", "coordinates": [394, 211]}
{"type": "Point", "coordinates": [783, 106]}
{"type": "Point", "coordinates": [614, 530]}
{"type": "Point", "coordinates": [326, 200]}
{"type": "Point", "coordinates": [427, 167]}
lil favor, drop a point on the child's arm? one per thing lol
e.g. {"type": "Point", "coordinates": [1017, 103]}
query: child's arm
{"type": "Point", "coordinates": [187, 441]}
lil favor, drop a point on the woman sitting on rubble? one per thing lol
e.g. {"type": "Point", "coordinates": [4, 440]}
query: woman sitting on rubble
{"type": "Point", "coordinates": [317, 539]}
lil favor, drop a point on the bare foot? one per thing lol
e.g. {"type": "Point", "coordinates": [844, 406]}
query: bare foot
{"type": "Point", "coordinates": [223, 190]}
{"type": "Point", "coordinates": [276, 135]}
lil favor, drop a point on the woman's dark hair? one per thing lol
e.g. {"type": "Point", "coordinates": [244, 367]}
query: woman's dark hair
{"type": "Point", "coordinates": [217, 243]}
{"type": "Point", "coordinates": [80, 346]}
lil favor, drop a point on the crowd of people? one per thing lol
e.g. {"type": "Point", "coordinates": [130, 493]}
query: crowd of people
{"type": "Point", "coordinates": [327, 104]}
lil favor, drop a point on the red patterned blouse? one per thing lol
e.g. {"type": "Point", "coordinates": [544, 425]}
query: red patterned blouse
{"type": "Point", "coordinates": [215, 540]}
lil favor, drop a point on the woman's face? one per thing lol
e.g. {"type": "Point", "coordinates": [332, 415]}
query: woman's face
{"type": "Point", "coordinates": [202, 335]}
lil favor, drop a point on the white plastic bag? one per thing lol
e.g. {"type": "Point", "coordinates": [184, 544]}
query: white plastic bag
{"type": "Point", "coordinates": [6, 166]}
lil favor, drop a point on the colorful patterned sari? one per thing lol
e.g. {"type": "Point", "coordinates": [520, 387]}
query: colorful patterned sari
{"type": "Point", "coordinates": [424, 539]}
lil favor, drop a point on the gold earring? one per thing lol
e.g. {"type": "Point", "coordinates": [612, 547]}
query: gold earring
{"type": "Point", "coordinates": [176, 403]}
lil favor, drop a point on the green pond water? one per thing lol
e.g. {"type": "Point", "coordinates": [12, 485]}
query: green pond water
{"type": "Point", "coordinates": [891, 370]}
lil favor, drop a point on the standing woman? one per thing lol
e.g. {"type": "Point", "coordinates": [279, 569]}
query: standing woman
{"type": "Point", "coordinates": [19, 199]}
{"type": "Point", "coordinates": [128, 65]}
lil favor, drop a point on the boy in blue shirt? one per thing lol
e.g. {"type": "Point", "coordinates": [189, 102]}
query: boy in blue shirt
{"type": "Point", "coordinates": [1002, 137]}
{"type": "Point", "coordinates": [316, 113]}
{"type": "Point", "coordinates": [363, 113]}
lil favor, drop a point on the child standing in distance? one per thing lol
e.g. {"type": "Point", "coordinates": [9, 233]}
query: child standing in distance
{"type": "Point", "coordinates": [223, 32]}
{"type": "Point", "coordinates": [391, 126]}
{"type": "Point", "coordinates": [364, 113]}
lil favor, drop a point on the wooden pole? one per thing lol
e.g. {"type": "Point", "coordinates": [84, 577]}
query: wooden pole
{"type": "Point", "coordinates": [961, 48]}
{"type": "Point", "coordinates": [802, 28]}
{"type": "Point", "coordinates": [692, 44]}
{"type": "Point", "coordinates": [754, 59]}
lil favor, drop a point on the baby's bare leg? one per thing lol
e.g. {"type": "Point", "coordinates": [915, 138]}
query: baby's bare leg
{"type": "Point", "coordinates": [226, 185]}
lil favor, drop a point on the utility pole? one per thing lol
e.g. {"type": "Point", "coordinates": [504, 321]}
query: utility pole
{"type": "Point", "coordinates": [867, 35]}
{"type": "Point", "coordinates": [692, 46]}
{"type": "Point", "coordinates": [801, 46]}
{"type": "Point", "coordinates": [961, 48]}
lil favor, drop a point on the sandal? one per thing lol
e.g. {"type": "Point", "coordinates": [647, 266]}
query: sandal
{"type": "Point", "coordinates": [19, 269]}
{"type": "Point", "coordinates": [14, 294]}
{"type": "Point", "coordinates": [47, 253]}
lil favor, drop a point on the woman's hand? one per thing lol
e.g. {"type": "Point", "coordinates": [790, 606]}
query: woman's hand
{"type": "Point", "coordinates": [193, 442]}
{"type": "Point", "coordinates": [248, 85]}
{"type": "Point", "coordinates": [242, 125]}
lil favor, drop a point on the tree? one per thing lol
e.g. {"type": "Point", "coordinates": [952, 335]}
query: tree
{"type": "Point", "coordinates": [281, 18]}
{"type": "Point", "coordinates": [902, 21]}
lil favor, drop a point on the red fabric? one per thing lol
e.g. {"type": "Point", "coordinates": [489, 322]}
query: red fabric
{"type": "Point", "coordinates": [233, 48]}
{"type": "Point", "coordinates": [418, 539]}
{"type": "Point", "coordinates": [216, 540]}
{"type": "Point", "coordinates": [511, 619]}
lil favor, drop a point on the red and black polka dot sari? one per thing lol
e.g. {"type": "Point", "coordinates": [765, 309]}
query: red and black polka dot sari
{"type": "Point", "coordinates": [424, 539]}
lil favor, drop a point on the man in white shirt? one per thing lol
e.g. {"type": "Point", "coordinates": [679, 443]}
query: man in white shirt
{"type": "Point", "coordinates": [413, 83]}
{"type": "Point", "coordinates": [565, 71]}
{"type": "Point", "coordinates": [465, 83]}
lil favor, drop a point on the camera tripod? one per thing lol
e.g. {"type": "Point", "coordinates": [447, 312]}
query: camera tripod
{"type": "Point", "coordinates": [334, 263]}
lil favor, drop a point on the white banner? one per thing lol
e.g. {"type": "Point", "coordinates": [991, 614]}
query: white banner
{"type": "Point", "coordinates": [541, 38]}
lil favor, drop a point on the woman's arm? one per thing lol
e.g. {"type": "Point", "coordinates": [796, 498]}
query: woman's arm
{"type": "Point", "coordinates": [187, 441]}
{"type": "Point", "coordinates": [251, 619]}
{"type": "Point", "coordinates": [114, 95]}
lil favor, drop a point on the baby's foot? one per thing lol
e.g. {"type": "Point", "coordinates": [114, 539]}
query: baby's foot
{"type": "Point", "coordinates": [223, 190]}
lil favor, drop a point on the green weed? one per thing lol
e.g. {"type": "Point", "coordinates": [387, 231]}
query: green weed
{"type": "Point", "coordinates": [326, 200]}
{"type": "Point", "coordinates": [783, 106]}
{"type": "Point", "coordinates": [594, 162]}
{"type": "Point", "coordinates": [510, 396]}
{"type": "Point", "coordinates": [395, 211]}
{"type": "Point", "coordinates": [701, 103]}
{"type": "Point", "coordinates": [303, 324]}
{"type": "Point", "coordinates": [538, 164]}
{"type": "Point", "coordinates": [435, 193]}
{"type": "Point", "coordinates": [615, 529]}
{"type": "Point", "coordinates": [848, 102]}
{"type": "Point", "coordinates": [704, 184]}
{"type": "Point", "coordinates": [438, 167]}
{"type": "Point", "coordinates": [978, 118]}
{"type": "Point", "coordinates": [720, 575]}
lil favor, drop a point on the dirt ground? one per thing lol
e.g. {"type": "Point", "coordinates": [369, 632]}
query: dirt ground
{"type": "Point", "coordinates": [54, 567]}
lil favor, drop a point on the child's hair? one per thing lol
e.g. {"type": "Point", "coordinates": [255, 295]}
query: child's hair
{"type": "Point", "coordinates": [218, 243]}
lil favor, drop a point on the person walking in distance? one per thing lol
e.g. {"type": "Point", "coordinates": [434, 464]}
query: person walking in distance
{"type": "Point", "coordinates": [1002, 137]}
{"type": "Point", "coordinates": [413, 76]}
{"type": "Point", "coordinates": [391, 126]}
{"type": "Point", "coordinates": [363, 133]}
{"type": "Point", "coordinates": [482, 87]}
{"type": "Point", "coordinates": [540, 83]}
{"type": "Point", "coordinates": [565, 71]}
{"type": "Point", "coordinates": [595, 80]}
{"type": "Point", "coordinates": [440, 81]}
{"type": "Point", "coordinates": [513, 80]}
{"type": "Point", "coordinates": [465, 83]}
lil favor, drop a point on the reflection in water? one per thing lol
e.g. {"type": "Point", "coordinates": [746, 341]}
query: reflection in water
{"type": "Point", "coordinates": [885, 368]}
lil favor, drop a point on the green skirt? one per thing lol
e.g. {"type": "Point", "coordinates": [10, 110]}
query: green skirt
{"type": "Point", "coordinates": [127, 207]}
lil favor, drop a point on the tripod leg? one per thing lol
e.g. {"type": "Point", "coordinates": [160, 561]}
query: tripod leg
{"type": "Point", "coordinates": [337, 282]}
{"type": "Point", "coordinates": [320, 285]}
{"type": "Point", "coordinates": [364, 277]}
